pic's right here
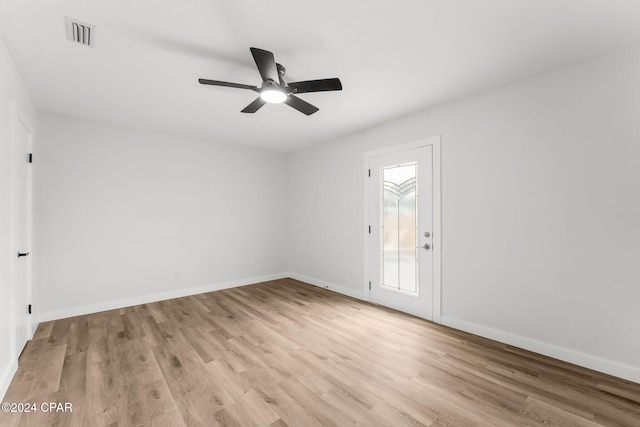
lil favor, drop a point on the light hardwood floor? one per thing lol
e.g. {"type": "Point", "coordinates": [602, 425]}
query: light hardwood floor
{"type": "Point", "coordinates": [284, 353]}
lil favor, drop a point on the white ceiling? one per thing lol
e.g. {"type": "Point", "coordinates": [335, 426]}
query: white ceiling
{"type": "Point", "coordinates": [393, 58]}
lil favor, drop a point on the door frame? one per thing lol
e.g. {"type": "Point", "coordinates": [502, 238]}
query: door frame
{"type": "Point", "coordinates": [434, 142]}
{"type": "Point", "coordinates": [18, 118]}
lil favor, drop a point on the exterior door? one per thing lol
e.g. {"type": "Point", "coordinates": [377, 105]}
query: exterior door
{"type": "Point", "coordinates": [401, 202]}
{"type": "Point", "coordinates": [21, 219]}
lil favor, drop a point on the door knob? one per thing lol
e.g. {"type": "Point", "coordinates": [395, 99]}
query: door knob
{"type": "Point", "coordinates": [426, 247]}
{"type": "Point", "coordinates": [22, 254]}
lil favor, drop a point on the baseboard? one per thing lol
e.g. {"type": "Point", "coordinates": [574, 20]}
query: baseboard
{"type": "Point", "coordinates": [330, 286]}
{"type": "Point", "coordinates": [616, 369]}
{"type": "Point", "coordinates": [146, 299]}
{"type": "Point", "coordinates": [6, 378]}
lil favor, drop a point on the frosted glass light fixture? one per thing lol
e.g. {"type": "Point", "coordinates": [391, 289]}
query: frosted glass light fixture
{"type": "Point", "coordinates": [273, 96]}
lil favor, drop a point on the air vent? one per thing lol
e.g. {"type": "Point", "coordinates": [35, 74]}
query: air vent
{"type": "Point", "coordinates": [80, 32]}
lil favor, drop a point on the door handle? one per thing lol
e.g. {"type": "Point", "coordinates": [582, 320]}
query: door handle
{"type": "Point", "coordinates": [426, 247]}
{"type": "Point", "coordinates": [22, 254]}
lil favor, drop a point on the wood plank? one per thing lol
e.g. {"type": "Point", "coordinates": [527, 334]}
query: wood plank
{"type": "Point", "coordinates": [284, 353]}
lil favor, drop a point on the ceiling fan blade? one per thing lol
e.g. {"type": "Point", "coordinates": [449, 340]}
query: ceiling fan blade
{"type": "Point", "coordinates": [266, 64]}
{"type": "Point", "coordinates": [227, 84]}
{"type": "Point", "coordinates": [316, 85]}
{"type": "Point", "coordinates": [300, 105]}
{"type": "Point", "coordinates": [254, 106]}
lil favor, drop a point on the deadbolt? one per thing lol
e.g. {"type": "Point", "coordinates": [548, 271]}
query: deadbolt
{"type": "Point", "coordinates": [427, 234]}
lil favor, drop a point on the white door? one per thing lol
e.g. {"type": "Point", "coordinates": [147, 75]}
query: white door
{"type": "Point", "coordinates": [401, 215]}
{"type": "Point", "coordinates": [21, 232]}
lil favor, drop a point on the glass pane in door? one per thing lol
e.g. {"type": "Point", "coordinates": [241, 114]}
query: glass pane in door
{"type": "Point", "coordinates": [399, 255]}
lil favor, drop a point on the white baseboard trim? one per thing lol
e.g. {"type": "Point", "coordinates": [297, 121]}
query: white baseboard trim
{"type": "Point", "coordinates": [616, 369]}
{"type": "Point", "coordinates": [146, 299]}
{"type": "Point", "coordinates": [6, 378]}
{"type": "Point", "coordinates": [330, 286]}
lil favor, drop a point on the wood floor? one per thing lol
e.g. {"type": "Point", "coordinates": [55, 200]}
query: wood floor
{"type": "Point", "coordinates": [283, 353]}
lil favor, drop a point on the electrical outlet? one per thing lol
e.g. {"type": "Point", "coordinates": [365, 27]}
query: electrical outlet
{"type": "Point", "coordinates": [176, 274]}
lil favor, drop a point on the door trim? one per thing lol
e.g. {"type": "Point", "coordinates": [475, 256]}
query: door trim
{"type": "Point", "coordinates": [434, 142]}
{"type": "Point", "coordinates": [18, 118]}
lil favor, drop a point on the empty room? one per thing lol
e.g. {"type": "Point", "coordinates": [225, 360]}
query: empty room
{"type": "Point", "coordinates": [372, 213]}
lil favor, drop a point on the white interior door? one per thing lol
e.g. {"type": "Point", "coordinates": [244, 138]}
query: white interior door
{"type": "Point", "coordinates": [401, 201]}
{"type": "Point", "coordinates": [21, 232]}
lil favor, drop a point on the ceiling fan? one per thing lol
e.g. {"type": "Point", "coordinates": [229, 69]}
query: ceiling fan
{"type": "Point", "coordinates": [274, 89]}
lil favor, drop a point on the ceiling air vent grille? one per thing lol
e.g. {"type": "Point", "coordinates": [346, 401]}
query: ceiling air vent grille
{"type": "Point", "coordinates": [80, 32]}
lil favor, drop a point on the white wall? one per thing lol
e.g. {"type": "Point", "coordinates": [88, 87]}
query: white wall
{"type": "Point", "coordinates": [120, 210]}
{"type": "Point", "coordinates": [12, 89]}
{"type": "Point", "coordinates": [541, 204]}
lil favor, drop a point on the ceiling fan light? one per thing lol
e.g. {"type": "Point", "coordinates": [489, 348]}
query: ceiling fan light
{"type": "Point", "coordinates": [273, 96]}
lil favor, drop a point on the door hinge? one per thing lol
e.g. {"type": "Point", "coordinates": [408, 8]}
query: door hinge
{"type": "Point", "coordinates": [369, 173]}
{"type": "Point", "coordinates": [369, 284]}
{"type": "Point", "coordinates": [29, 309]}
{"type": "Point", "coordinates": [369, 229]}
{"type": "Point", "coordinates": [30, 157]}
